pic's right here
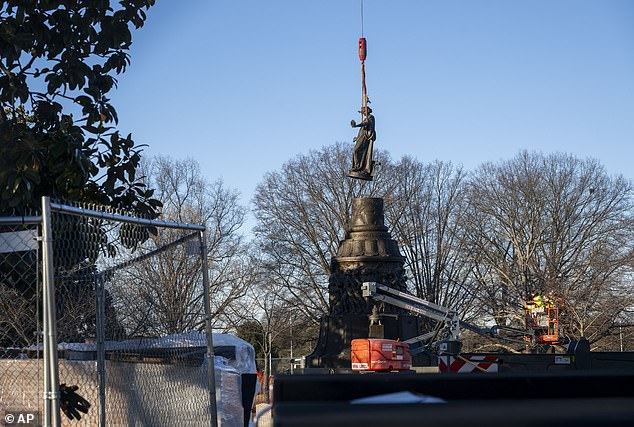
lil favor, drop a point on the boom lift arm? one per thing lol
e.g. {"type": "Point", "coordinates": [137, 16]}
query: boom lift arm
{"type": "Point", "coordinates": [449, 317]}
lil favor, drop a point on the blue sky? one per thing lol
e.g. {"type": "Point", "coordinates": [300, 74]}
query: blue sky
{"type": "Point", "coordinates": [244, 85]}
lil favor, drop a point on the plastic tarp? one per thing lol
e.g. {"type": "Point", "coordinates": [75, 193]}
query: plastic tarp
{"type": "Point", "coordinates": [228, 394]}
{"type": "Point", "coordinates": [245, 353]}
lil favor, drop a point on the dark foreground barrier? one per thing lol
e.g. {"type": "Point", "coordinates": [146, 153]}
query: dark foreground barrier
{"type": "Point", "coordinates": [575, 398]}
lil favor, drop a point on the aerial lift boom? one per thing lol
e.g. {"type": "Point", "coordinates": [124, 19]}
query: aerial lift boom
{"type": "Point", "coordinates": [451, 343]}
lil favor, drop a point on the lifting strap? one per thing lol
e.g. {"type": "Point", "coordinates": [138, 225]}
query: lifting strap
{"type": "Point", "coordinates": [364, 91]}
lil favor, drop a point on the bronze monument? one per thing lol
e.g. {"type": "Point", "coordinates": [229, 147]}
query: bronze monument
{"type": "Point", "coordinates": [362, 163]}
{"type": "Point", "coordinates": [366, 254]}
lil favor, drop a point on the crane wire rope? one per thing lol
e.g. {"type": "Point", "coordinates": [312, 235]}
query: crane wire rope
{"type": "Point", "coordinates": [364, 93]}
{"type": "Point", "coordinates": [361, 18]}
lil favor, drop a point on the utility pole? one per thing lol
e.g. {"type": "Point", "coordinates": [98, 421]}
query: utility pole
{"type": "Point", "coordinates": [292, 359]}
{"type": "Point", "coordinates": [621, 337]}
{"type": "Point", "coordinates": [270, 352]}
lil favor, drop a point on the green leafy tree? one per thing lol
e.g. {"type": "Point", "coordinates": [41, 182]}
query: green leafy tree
{"type": "Point", "coordinates": [58, 136]}
{"type": "Point", "coordinates": [58, 61]}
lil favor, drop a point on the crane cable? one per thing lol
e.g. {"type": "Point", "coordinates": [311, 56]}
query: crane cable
{"type": "Point", "coordinates": [362, 56]}
{"type": "Point", "coordinates": [361, 18]}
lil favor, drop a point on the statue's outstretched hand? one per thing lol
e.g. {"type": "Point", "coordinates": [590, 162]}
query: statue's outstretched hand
{"type": "Point", "coordinates": [72, 403]}
{"type": "Point", "coordinates": [353, 123]}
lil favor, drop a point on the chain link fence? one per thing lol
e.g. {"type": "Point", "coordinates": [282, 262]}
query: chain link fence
{"type": "Point", "coordinates": [21, 368]}
{"type": "Point", "coordinates": [128, 316]}
{"type": "Point", "coordinates": [281, 365]}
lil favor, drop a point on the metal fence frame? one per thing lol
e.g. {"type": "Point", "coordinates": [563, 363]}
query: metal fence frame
{"type": "Point", "coordinates": [51, 396]}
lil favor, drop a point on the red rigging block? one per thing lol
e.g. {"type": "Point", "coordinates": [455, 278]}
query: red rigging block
{"type": "Point", "coordinates": [362, 49]}
{"type": "Point", "coordinates": [380, 355]}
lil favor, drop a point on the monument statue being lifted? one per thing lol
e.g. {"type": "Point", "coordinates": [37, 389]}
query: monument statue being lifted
{"type": "Point", "coordinates": [362, 163]}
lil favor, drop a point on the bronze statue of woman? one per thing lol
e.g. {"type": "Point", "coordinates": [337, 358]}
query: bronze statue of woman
{"type": "Point", "coordinates": [362, 163]}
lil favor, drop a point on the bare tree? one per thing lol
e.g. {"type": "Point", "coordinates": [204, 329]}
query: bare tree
{"type": "Point", "coordinates": [166, 295]}
{"type": "Point", "coordinates": [552, 224]}
{"type": "Point", "coordinates": [533, 224]}
{"type": "Point", "coordinates": [302, 211]}
{"type": "Point", "coordinates": [263, 319]}
{"type": "Point", "coordinates": [18, 317]}
{"type": "Point", "coordinates": [425, 210]}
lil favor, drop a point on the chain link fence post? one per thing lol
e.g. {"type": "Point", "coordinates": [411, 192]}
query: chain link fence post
{"type": "Point", "coordinates": [101, 348]}
{"type": "Point", "coordinates": [211, 364]}
{"type": "Point", "coordinates": [51, 374]}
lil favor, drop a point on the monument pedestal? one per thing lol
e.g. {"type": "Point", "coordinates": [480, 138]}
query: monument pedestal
{"type": "Point", "coordinates": [367, 254]}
